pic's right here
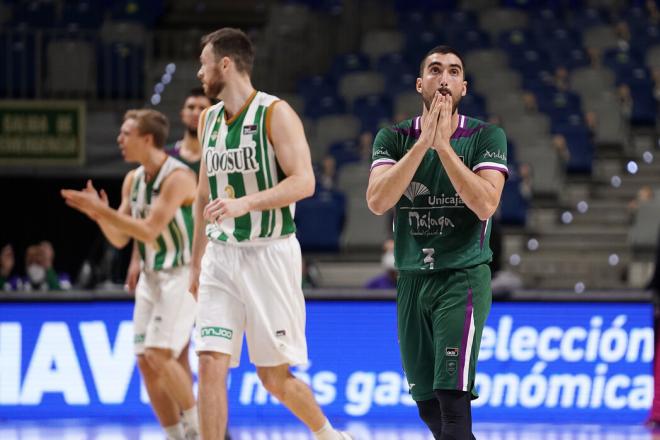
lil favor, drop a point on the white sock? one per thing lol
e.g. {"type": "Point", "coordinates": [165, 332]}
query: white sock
{"type": "Point", "coordinates": [327, 432]}
{"type": "Point", "coordinates": [175, 432]}
{"type": "Point", "coordinates": [191, 420]}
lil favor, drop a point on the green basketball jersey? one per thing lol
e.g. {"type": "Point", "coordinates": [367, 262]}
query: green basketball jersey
{"type": "Point", "coordinates": [174, 245]}
{"type": "Point", "coordinates": [433, 229]}
{"type": "Point", "coordinates": [240, 160]}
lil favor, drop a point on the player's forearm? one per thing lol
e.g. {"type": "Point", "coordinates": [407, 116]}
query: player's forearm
{"type": "Point", "coordinates": [478, 194]}
{"type": "Point", "coordinates": [290, 190]}
{"type": "Point", "coordinates": [385, 190]}
{"type": "Point", "coordinates": [199, 234]}
{"type": "Point", "coordinates": [128, 226]}
{"type": "Point", "coordinates": [116, 237]}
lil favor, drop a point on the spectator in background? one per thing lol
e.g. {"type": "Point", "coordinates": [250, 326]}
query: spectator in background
{"type": "Point", "coordinates": [386, 280]}
{"type": "Point", "coordinates": [188, 149]}
{"type": "Point", "coordinates": [8, 282]}
{"type": "Point", "coordinates": [525, 176]}
{"type": "Point", "coordinates": [644, 195]}
{"type": "Point", "coordinates": [328, 176]}
{"type": "Point", "coordinates": [39, 272]}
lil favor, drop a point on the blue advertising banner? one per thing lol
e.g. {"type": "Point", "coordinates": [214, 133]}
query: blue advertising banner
{"type": "Point", "coordinates": [565, 362]}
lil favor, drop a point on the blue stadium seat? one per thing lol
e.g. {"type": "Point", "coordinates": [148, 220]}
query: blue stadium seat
{"type": "Point", "coordinates": [145, 12]}
{"type": "Point", "coordinates": [34, 14]}
{"type": "Point", "coordinates": [618, 60]}
{"type": "Point", "coordinates": [344, 152]}
{"type": "Point", "coordinates": [120, 71]}
{"type": "Point", "coordinates": [84, 14]}
{"type": "Point", "coordinates": [393, 65]}
{"type": "Point", "coordinates": [516, 40]}
{"type": "Point", "coordinates": [588, 17]}
{"type": "Point", "coordinates": [473, 105]}
{"type": "Point", "coordinates": [373, 110]}
{"type": "Point", "coordinates": [469, 39]}
{"type": "Point", "coordinates": [313, 87]}
{"type": "Point", "coordinates": [645, 37]}
{"type": "Point", "coordinates": [513, 206]}
{"type": "Point", "coordinates": [404, 83]}
{"type": "Point", "coordinates": [320, 221]}
{"type": "Point", "coordinates": [529, 61]}
{"type": "Point", "coordinates": [17, 65]}
{"type": "Point", "coordinates": [419, 43]}
{"type": "Point", "coordinates": [323, 105]}
{"type": "Point", "coordinates": [346, 63]}
{"type": "Point", "coordinates": [645, 107]}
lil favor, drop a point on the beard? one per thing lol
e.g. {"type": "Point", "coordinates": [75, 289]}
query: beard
{"type": "Point", "coordinates": [215, 85]}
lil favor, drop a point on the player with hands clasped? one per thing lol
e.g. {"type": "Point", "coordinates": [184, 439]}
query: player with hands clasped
{"type": "Point", "coordinates": [443, 172]}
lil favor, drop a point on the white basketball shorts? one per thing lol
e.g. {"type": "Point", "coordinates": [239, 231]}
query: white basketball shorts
{"type": "Point", "coordinates": [164, 312]}
{"type": "Point", "coordinates": [253, 289]}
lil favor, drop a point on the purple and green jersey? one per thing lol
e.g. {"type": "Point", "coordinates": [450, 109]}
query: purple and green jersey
{"type": "Point", "coordinates": [433, 228]}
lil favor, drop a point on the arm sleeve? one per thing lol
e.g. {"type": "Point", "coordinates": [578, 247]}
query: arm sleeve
{"type": "Point", "coordinates": [491, 151]}
{"type": "Point", "coordinates": [384, 150]}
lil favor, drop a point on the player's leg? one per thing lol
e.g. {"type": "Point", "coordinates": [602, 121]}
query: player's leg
{"type": "Point", "coordinates": [174, 377]}
{"type": "Point", "coordinates": [271, 279]}
{"type": "Point", "coordinates": [212, 394]}
{"type": "Point", "coordinates": [218, 336]}
{"type": "Point", "coordinates": [461, 306]}
{"type": "Point", "coordinates": [415, 334]}
{"type": "Point", "coordinates": [169, 332]}
{"type": "Point", "coordinates": [292, 393]}
{"type": "Point", "coordinates": [165, 408]}
{"type": "Point", "coordinates": [184, 361]}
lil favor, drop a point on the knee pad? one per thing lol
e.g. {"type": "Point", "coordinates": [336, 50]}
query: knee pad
{"type": "Point", "coordinates": [456, 414]}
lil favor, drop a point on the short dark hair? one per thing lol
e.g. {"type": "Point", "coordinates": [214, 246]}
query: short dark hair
{"type": "Point", "coordinates": [150, 122]}
{"type": "Point", "coordinates": [443, 50]}
{"type": "Point", "coordinates": [232, 43]}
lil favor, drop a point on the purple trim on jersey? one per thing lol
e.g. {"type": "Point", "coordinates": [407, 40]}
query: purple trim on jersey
{"type": "Point", "coordinates": [464, 341]}
{"type": "Point", "coordinates": [466, 132]}
{"type": "Point", "coordinates": [503, 170]}
{"type": "Point", "coordinates": [378, 162]}
{"type": "Point", "coordinates": [414, 130]}
{"type": "Point", "coordinates": [484, 226]}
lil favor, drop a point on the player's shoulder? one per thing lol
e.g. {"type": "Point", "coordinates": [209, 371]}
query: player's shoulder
{"type": "Point", "coordinates": [405, 128]}
{"type": "Point", "coordinates": [477, 125]}
{"type": "Point", "coordinates": [266, 99]}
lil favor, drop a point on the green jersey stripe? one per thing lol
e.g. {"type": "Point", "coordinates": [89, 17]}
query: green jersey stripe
{"type": "Point", "coordinates": [173, 245]}
{"type": "Point", "coordinates": [240, 160]}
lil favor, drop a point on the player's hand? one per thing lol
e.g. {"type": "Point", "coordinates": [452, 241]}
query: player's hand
{"type": "Point", "coordinates": [220, 209]}
{"type": "Point", "coordinates": [86, 201]}
{"type": "Point", "coordinates": [443, 129]}
{"type": "Point", "coordinates": [132, 276]}
{"type": "Point", "coordinates": [194, 281]}
{"type": "Point", "coordinates": [430, 122]}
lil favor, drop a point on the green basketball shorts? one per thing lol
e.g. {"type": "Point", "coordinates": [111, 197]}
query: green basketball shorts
{"type": "Point", "coordinates": [440, 318]}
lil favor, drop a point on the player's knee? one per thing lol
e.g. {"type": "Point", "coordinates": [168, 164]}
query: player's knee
{"type": "Point", "coordinates": [272, 381]}
{"type": "Point", "coordinates": [157, 357]}
{"type": "Point", "coordinates": [429, 412]}
{"type": "Point", "coordinates": [455, 408]}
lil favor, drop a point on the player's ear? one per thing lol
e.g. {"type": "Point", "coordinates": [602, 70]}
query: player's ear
{"type": "Point", "coordinates": [418, 85]}
{"type": "Point", "coordinates": [464, 91]}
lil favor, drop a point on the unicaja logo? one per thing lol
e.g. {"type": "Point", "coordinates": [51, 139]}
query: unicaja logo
{"type": "Point", "coordinates": [416, 189]}
{"type": "Point", "coordinates": [218, 332]}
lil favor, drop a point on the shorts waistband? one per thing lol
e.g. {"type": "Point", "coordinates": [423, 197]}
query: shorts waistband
{"type": "Point", "coordinates": [253, 243]}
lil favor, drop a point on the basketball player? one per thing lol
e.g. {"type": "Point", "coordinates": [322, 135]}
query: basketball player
{"type": "Point", "coordinates": [188, 151]}
{"type": "Point", "coordinates": [443, 172]}
{"type": "Point", "coordinates": [155, 210]}
{"type": "Point", "coordinates": [255, 165]}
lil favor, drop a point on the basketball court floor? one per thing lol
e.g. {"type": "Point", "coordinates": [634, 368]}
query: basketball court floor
{"type": "Point", "coordinates": [362, 430]}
